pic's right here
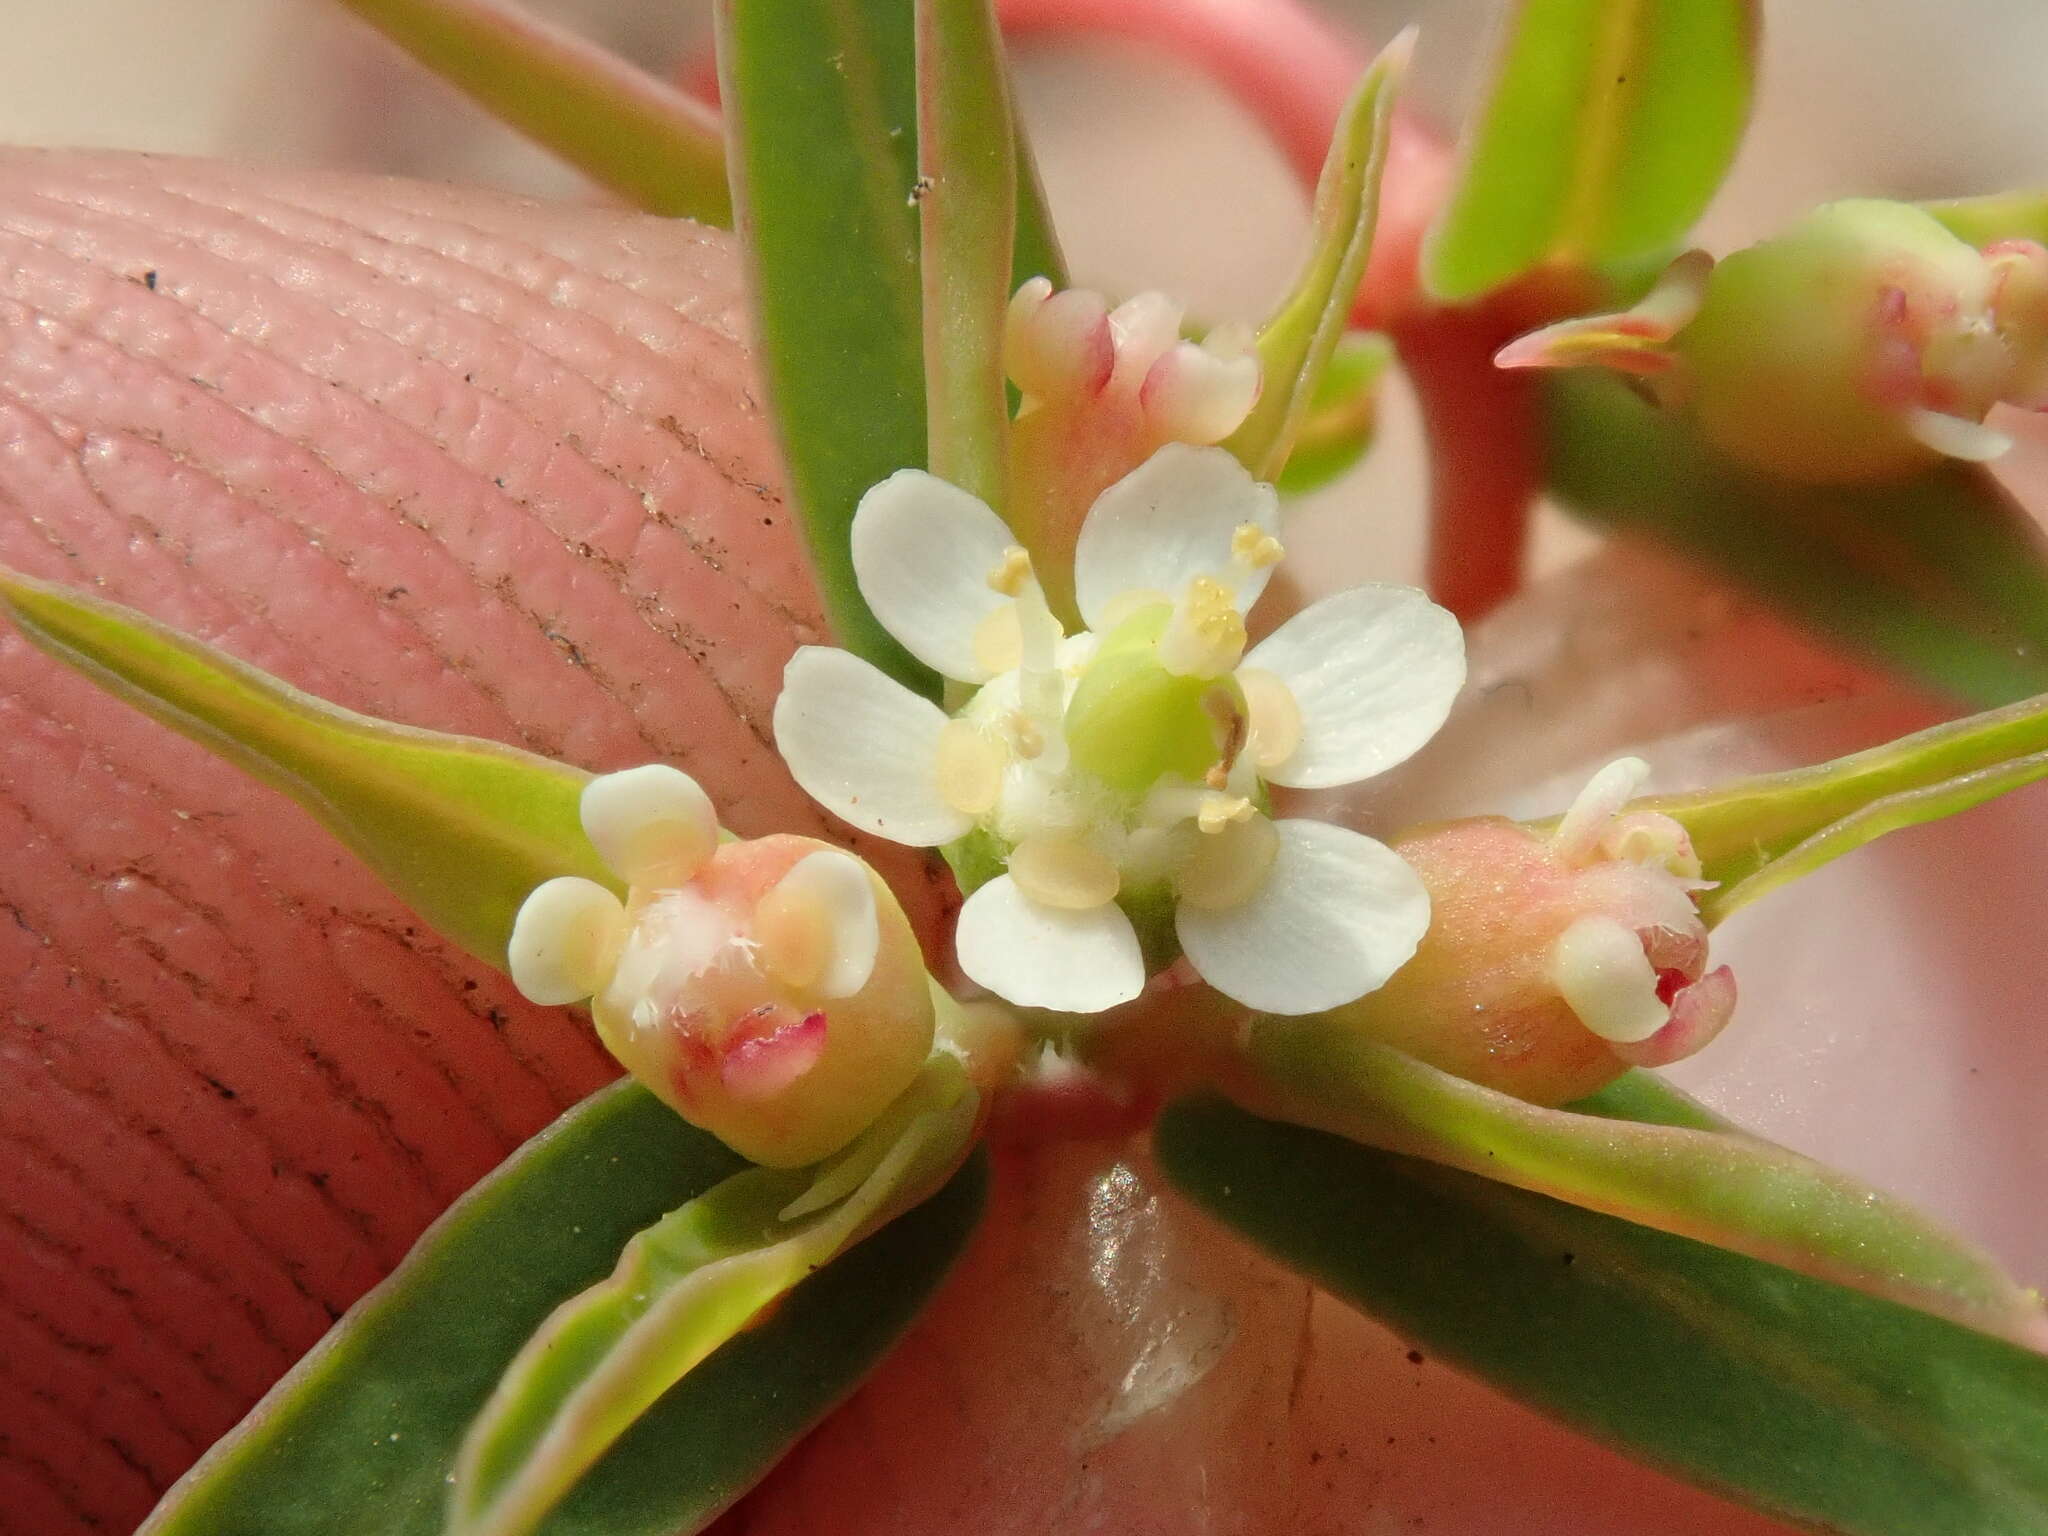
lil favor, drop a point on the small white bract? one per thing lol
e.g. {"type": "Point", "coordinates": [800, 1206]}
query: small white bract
{"type": "Point", "coordinates": [1103, 794]}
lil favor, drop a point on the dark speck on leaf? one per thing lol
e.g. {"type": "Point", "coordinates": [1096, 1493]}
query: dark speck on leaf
{"type": "Point", "coordinates": [149, 279]}
{"type": "Point", "coordinates": [1415, 1357]}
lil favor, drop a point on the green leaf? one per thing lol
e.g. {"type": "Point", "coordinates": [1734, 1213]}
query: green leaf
{"type": "Point", "coordinates": [967, 220]}
{"type": "Point", "coordinates": [1760, 833]}
{"type": "Point", "coordinates": [1981, 221]}
{"type": "Point", "coordinates": [1941, 576]}
{"type": "Point", "coordinates": [462, 829]}
{"type": "Point", "coordinates": [821, 120]}
{"type": "Point", "coordinates": [1297, 342]}
{"type": "Point", "coordinates": [1717, 1185]}
{"type": "Point", "coordinates": [1814, 1402]}
{"type": "Point", "coordinates": [682, 1288]}
{"type": "Point", "coordinates": [1343, 414]}
{"type": "Point", "coordinates": [630, 133]}
{"type": "Point", "coordinates": [1608, 127]}
{"type": "Point", "coordinates": [361, 1437]}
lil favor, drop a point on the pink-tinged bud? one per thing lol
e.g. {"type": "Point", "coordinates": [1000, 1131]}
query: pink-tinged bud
{"type": "Point", "coordinates": [770, 991]}
{"type": "Point", "coordinates": [1104, 389]}
{"type": "Point", "coordinates": [1553, 961]}
{"type": "Point", "coordinates": [777, 999]}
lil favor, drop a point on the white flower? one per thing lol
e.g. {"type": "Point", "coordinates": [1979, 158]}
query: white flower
{"type": "Point", "coordinates": [1120, 773]}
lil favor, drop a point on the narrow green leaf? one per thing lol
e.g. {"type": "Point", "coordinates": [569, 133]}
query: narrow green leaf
{"type": "Point", "coordinates": [821, 116]}
{"type": "Point", "coordinates": [1343, 414]}
{"type": "Point", "coordinates": [1983, 221]}
{"type": "Point", "coordinates": [1297, 342]}
{"type": "Point", "coordinates": [1608, 126]}
{"type": "Point", "coordinates": [1746, 826]}
{"type": "Point", "coordinates": [1814, 1402]}
{"type": "Point", "coordinates": [1942, 576]}
{"type": "Point", "coordinates": [360, 1439]}
{"type": "Point", "coordinates": [682, 1288]}
{"type": "Point", "coordinates": [967, 206]}
{"type": "Point", "coordinates": [462, 829]}
{"type": "Point", "coordinates": [821, 132]}
{"type": "Point", "coordinates": [630, 133]}
{"type": "Point", "coordinates": [1722, 1187]}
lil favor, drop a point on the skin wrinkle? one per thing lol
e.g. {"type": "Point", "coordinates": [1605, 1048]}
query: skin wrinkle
{"type": "Point", "coordinates": [124, 1413]}
{"type": "Point", "coordinates": [195, 1353]}
{"type": "Point", "coordinates": [460, 986]}
{"type": "Point", "coordinates": [742, 715]}
{"type": "Point", "coordinates": [430, 542]}
{"type": "Point", "coordinates": [410, 1155]}
{"type": "Point", "coordinates": [451, 364]}
{"type": "Point", "coordinates": [663, 367]}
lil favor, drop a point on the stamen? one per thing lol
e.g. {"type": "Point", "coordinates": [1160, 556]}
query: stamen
{"type": "Point", "coordinates": [1582, 827]}
{"type": "Point", "coordinates": [1219, 811]}
{"type": "Point", "coordinates": [1254, 548]}
{"type": "Point", "coordinates": [1011, 572]}
{"type": "Point", "coordinates": [1205, 637]}
{"type": "Point", "coordinates": [1041, 687]}
{"type": "Point", "coordinates": [1275, 716]}
{"type": "Point", "coordinates": [1599, 967]}
{"type": "Point", "coordinates": [1228, 869]}
{"type": "Point", "coordinates": [970, 768]}
{"type": "Point", "coordinates": [1057, 872]}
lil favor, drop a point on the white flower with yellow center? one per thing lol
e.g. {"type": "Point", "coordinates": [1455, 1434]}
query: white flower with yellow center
{"type": "Point", "coordinates": [1103, 794]}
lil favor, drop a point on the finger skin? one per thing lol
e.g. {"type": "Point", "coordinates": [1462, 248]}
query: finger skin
{"type": "Point", "coordinates": [452, 458]}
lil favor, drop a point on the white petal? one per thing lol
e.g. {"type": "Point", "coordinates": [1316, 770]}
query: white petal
{"type": "Point", "coordinates": [565, 941]}
{"type": "Point", "coordinates": [922, 553]}
{"type": "Point", "coordinates": [1040, 957]}
{"type": "Point", "coordinates": [865, 747]}
{"type": "Point", "coordinates": [826, 904]}
{"type": "Point", "coordinates": [1167, 522]}
{"type": "Point", "coordinates": [653, 825]}
{"type": "Point", "coordinates": [1374, 671]}
{"type": "Point", "coordinates": [1593, 810]}
{"type": "Point", "coordinates": [1337, 916]}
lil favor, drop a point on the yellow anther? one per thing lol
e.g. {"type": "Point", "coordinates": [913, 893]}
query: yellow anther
{"type": "Point", "coordinates": [1254, 548]}
{"type": "Point", "coordinates": [1275, 716]}
{"type": "Point", "coordinates": [1055, 872]}
{"type": "Point", "coordinates": [1220, 811]}
{"type": "Point", "coordinates": [999, 640]}
{"type": "Point", "coordinates": [1205, 637]}
{"type": "Point", "coordinates": [1227, 870]}
{"type": "Point", "coordinates": [970, 768]}
{"type": "Point", "coordinates": [1011, 572]}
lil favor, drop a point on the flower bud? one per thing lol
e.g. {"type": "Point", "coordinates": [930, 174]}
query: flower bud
{"type": "Point", "coordinates": [1554, 961]}
{"type": "Point", "coordinates": [1865, 343]}
{"type": "Point", "coordinates": [769, 991]}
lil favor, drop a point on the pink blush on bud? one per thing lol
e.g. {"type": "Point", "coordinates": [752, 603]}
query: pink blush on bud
{"type": "Point", "coordinates": [763, 1066]}
{"type": "Point", "coordinates": [1699, 1012]}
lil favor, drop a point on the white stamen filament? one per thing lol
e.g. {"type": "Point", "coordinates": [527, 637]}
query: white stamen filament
{"type": "Point", "coordinates": [1580, 830]}
{"type": "Point", "coordinates": [1599, 967]}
